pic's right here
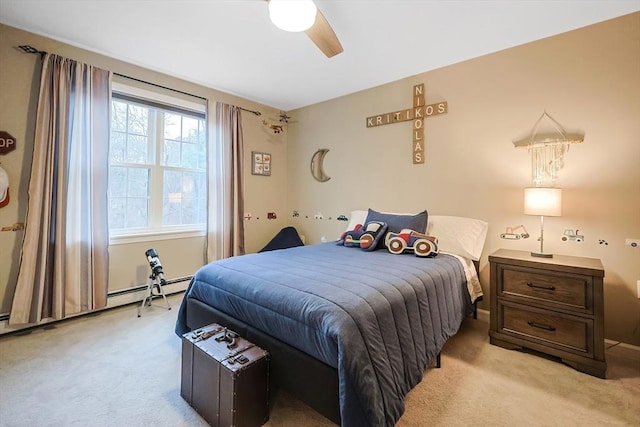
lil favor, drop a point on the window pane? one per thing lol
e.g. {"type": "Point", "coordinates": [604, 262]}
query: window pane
{"type": "Point", "coordinates": [170, 213]}
{"type": "Point", "coordinates": [190, 129]}
{"type": "Point", "coordinates": [128, 197]}
{"type": "Point", "coordinates": [190, 155]}
{"type": "Point", "coordinates": [137, 212]}
{"type": "Point", "coordinates": [138, 120]}
{"type": "Point", "coordinates": [117, 146]}
{"type": "Point", "coordinates": [116, 212]}
{"type": "Point", "coordinates": [172, 126]}
{"type": "Point", "coordinates": [172, 198]}
{"type": "Point", "coordinates": [172, 183]}
{"type": "Point", "coordinates": [188, 211]}
{"type": "Point", "coordinates": [138, 182]}
{"type": "Point", "coordinates": [199, 198]}
{"type": "Point", "coordinates": [118, 116]}
{"type": "Point", "coordinates": [202, 210]}
{"type": "Point", "coordinates": [171, 153]}
{"type": "Point", "coordinates": [202, 133]}
{"type": "Point", "coordinates": [182, 196]}
{"type": "Point", "coordinates": [201, 184]}
{"type": "Point", "coordinates": [137, 149]}
{"type": "Point", "coordinates": [188, 184]}
{"type": "Point", "coordinates": [202, 157]}
{"type": "Point", "coordinates": [117, 181]}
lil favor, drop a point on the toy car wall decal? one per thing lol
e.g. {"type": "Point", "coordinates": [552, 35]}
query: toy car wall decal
{"type": "Point", "coordinates": [407, 240]}
{"type": "Point", "coordinates": [572, 235]}
{"type": "Point", "coordinates": [512, 233]}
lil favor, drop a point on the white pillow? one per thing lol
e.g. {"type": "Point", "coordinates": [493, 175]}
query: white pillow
{"type": "Point", "coordinates": [458, 235]}
{"type": "Point", "coordinates": [357, 217]}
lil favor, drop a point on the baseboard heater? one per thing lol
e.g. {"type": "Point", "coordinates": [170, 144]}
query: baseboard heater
{"type": "Point", "coordinates": [114, 299]}
{"type": "Point", "coordinates": [144, 287]}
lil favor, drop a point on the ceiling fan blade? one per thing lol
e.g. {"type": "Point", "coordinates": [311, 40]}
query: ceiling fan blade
{"type": "Point", "coordinates": [324, 37]}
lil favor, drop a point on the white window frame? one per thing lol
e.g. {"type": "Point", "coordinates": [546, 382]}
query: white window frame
{"type": "Point", "coordinates": [157, 232]}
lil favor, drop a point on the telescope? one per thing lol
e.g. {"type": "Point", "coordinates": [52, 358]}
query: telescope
{"type": "Point", "coordinates": [156, 280]}
{"type": "Point", "coordinates": [156, 266]}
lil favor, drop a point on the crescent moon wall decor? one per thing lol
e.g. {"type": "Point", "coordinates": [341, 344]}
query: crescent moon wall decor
{"type": "Point", "coordinates": [317, 167]}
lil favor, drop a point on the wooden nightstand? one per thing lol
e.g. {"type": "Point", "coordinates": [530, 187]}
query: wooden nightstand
{"type": "Point", "coordinates": [552, 305]}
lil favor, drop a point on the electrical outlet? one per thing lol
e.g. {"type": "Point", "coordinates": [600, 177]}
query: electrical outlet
{"type": "Point", "coordinates": [638, 286]}
{"type": "Point", "coordinates": [634, 243]}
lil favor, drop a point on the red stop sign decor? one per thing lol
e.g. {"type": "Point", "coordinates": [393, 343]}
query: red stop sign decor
{"type": "Point", "coordinates": [7, 142]}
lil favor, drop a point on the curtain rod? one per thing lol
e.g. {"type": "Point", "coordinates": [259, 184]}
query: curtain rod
{"type": "Point", "coordinates": [42, 53]}
{"type": "Point", "coordinates": [257, 113]}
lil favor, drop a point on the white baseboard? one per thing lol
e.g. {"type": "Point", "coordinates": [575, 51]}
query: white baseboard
{"type": "Point", "coordinates": [112, 302]}
{"type": "Point", "coordinates": [483, 315]}
{"type": "Point", "coordinates": [610, 343]}
{"type": "Point", "coordinates": [138, 296]}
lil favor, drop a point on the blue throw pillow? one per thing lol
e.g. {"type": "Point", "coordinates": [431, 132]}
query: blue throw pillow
{"type": "Point", "coordinates": [398, 222]}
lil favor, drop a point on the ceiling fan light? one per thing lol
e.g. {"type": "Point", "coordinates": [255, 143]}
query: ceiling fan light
{"type": "Point", "coordinates": [292, 15]}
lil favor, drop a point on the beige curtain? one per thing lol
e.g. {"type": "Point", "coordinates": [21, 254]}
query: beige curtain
{"type": "Point", "coordinates": [225, 224]}
{"type": "Point", "coordinates": [64, 261]}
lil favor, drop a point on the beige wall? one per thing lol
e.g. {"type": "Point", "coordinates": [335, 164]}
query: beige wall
{"type": "Point", "coordinates": [19, 83]}
{"type": "Point", "coordinates": [588, 80]}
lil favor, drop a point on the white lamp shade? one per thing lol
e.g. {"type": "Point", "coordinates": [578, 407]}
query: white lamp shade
{"type": "Point", "coordinates": [543, 201]}
{"type": "Point", "coordinates": [292, 15]}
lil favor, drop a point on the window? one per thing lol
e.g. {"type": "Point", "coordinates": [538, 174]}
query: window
{"type": "Point", "coordinates": [157, 168]}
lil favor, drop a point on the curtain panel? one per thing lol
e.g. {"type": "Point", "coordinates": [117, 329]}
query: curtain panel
{"type": "Point", "coordinates": [64, 259]}
{"type": "Point", "coordinates": [225, 219]}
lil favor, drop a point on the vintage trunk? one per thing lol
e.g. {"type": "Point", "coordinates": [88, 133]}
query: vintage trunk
{"type": "Point", "coordinates": [224, 377]}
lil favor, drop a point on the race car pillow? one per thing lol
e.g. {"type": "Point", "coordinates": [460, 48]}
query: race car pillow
{"type": "Point", "coordinates": [422, 245]}
{"type": "Point", "coordinates": [365, 237]}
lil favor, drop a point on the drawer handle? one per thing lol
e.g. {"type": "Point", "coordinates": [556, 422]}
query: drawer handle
{"type": "Point", "coordinates": [541, 326]}
{"type": "Point", "coordinates": [546, 288]}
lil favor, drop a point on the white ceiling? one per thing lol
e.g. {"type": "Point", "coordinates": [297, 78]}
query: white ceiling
{"type": "Point", "coordinates": [233, 47]}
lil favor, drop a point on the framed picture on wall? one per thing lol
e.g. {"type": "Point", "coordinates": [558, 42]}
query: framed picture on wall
{"type": "Point", "coordinates": [260, 163]}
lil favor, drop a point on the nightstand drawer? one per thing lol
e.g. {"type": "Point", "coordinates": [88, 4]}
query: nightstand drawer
{"type": "Point", "coordinates": [548, 327]}
{"type": "Point", "coordinates": [563, 291]}
{"type": "Point", "coordinates": [551, 305]}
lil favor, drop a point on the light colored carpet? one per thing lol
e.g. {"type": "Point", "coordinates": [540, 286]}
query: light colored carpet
{"type": "Point", "coordinates": [115, 369]}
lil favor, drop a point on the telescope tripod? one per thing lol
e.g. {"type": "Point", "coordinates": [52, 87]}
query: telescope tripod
{"type": "Point", "coordinates": [155, 281]}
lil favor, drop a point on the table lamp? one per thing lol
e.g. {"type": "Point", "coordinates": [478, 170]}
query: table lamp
{"type": "Point", "coordinates": [542, 201]}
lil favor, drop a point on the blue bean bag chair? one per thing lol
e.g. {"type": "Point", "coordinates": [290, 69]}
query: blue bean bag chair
{"type": "Point", "coordinates": [286, 238]}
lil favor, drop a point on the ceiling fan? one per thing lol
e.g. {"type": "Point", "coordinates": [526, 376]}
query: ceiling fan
{"type": "Point", "coordinates": [303, 15]}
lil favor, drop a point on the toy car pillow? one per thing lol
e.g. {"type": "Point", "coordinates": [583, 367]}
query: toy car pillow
{"type": "Point", "coordinates": [365, 237]}
{"type": "Point", "coordinates": [422, 245]}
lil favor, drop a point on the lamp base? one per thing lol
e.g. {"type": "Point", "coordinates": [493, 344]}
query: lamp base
{"type": "Point", "coordinates": [541, 255]}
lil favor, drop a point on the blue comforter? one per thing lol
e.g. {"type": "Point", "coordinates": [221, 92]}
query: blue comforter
{"type": "Point", "coordinates": [378, 318]}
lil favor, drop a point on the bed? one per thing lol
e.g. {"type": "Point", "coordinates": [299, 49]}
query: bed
{"type": "Point", "coordinates": [350, 332]}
